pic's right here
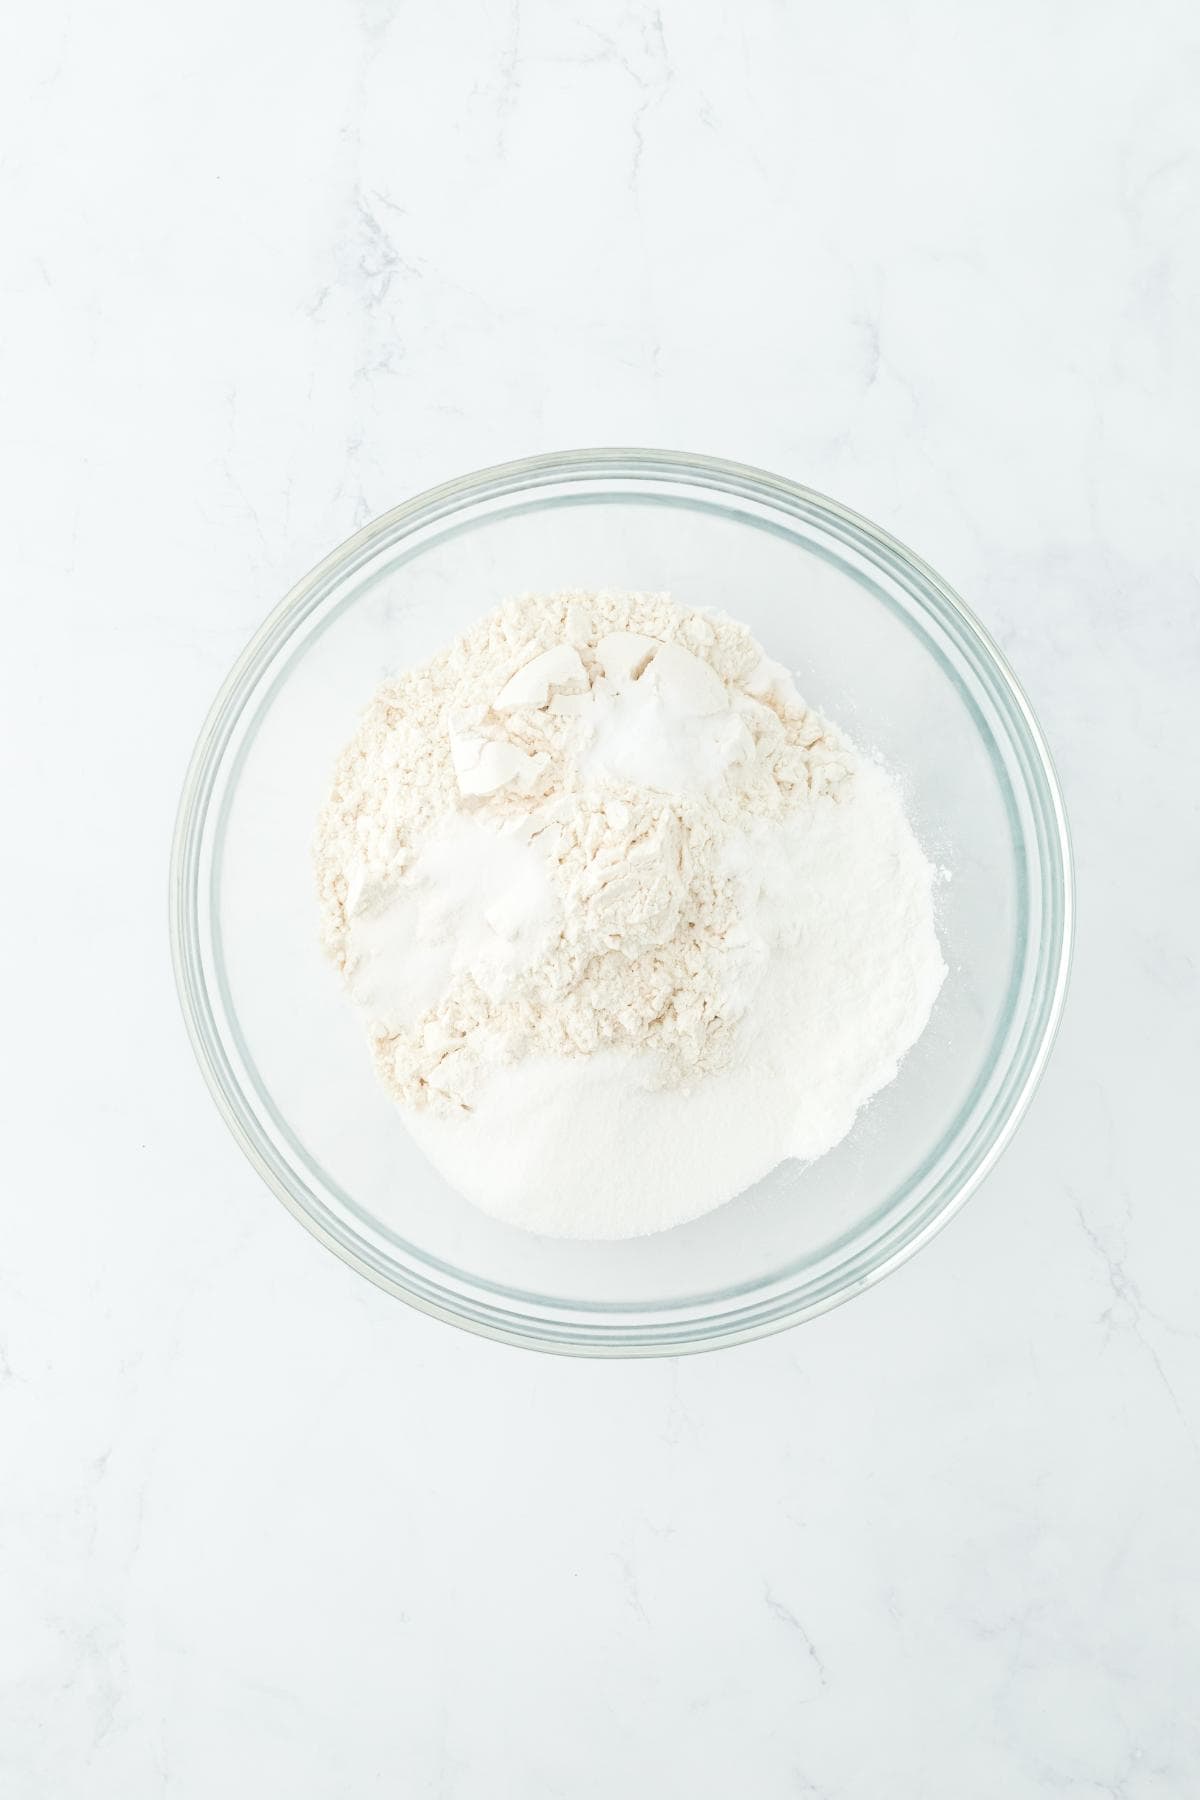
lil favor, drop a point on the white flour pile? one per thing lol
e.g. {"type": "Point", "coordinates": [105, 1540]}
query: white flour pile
{"type": "Point", "coordinates": [629, 924]}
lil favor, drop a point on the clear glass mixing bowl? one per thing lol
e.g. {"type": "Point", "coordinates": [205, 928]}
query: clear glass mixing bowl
{"type": "Point", "coordinates": [880, 644]}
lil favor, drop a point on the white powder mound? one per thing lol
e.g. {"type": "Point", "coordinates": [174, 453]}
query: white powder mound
{"type": "Point", "coordinates": [628, 922]}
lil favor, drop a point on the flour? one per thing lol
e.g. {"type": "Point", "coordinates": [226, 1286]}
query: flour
{"type": "Point", "coordinates": [628, 922]}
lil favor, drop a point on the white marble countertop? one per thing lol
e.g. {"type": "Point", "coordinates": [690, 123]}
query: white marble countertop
{"type": "Point", "coordinates": [268, 269]}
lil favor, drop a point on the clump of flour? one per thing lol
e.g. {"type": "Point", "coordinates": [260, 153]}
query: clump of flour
{"type": "Point", "coordinates": [629, 923]}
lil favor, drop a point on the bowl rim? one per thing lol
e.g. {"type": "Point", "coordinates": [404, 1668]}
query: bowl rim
{"type": "Point", "coordinates": [623, 1337]}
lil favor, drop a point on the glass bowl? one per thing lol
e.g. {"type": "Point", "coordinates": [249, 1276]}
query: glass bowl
{"type": "Point", "coordinates": [879, 643]}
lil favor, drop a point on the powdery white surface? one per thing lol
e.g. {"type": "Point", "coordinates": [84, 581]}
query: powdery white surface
{"type": "Point", "coordinates": [473, 900]}
{"type": "Point", "coordinates": [837, 902]}
{"type": "Point", "coordinates": [629, 924]}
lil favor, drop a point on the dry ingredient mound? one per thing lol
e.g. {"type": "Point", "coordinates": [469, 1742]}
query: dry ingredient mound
{"type": "Point", "coordinates": [601, 883]}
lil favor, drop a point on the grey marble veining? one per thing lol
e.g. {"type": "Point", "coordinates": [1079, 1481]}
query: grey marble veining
{"type": "Point", "coordinates": [266, 270]}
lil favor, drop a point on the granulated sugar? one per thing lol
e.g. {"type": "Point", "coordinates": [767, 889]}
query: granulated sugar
{"type": "Point", "coordinates": [629, 923]}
